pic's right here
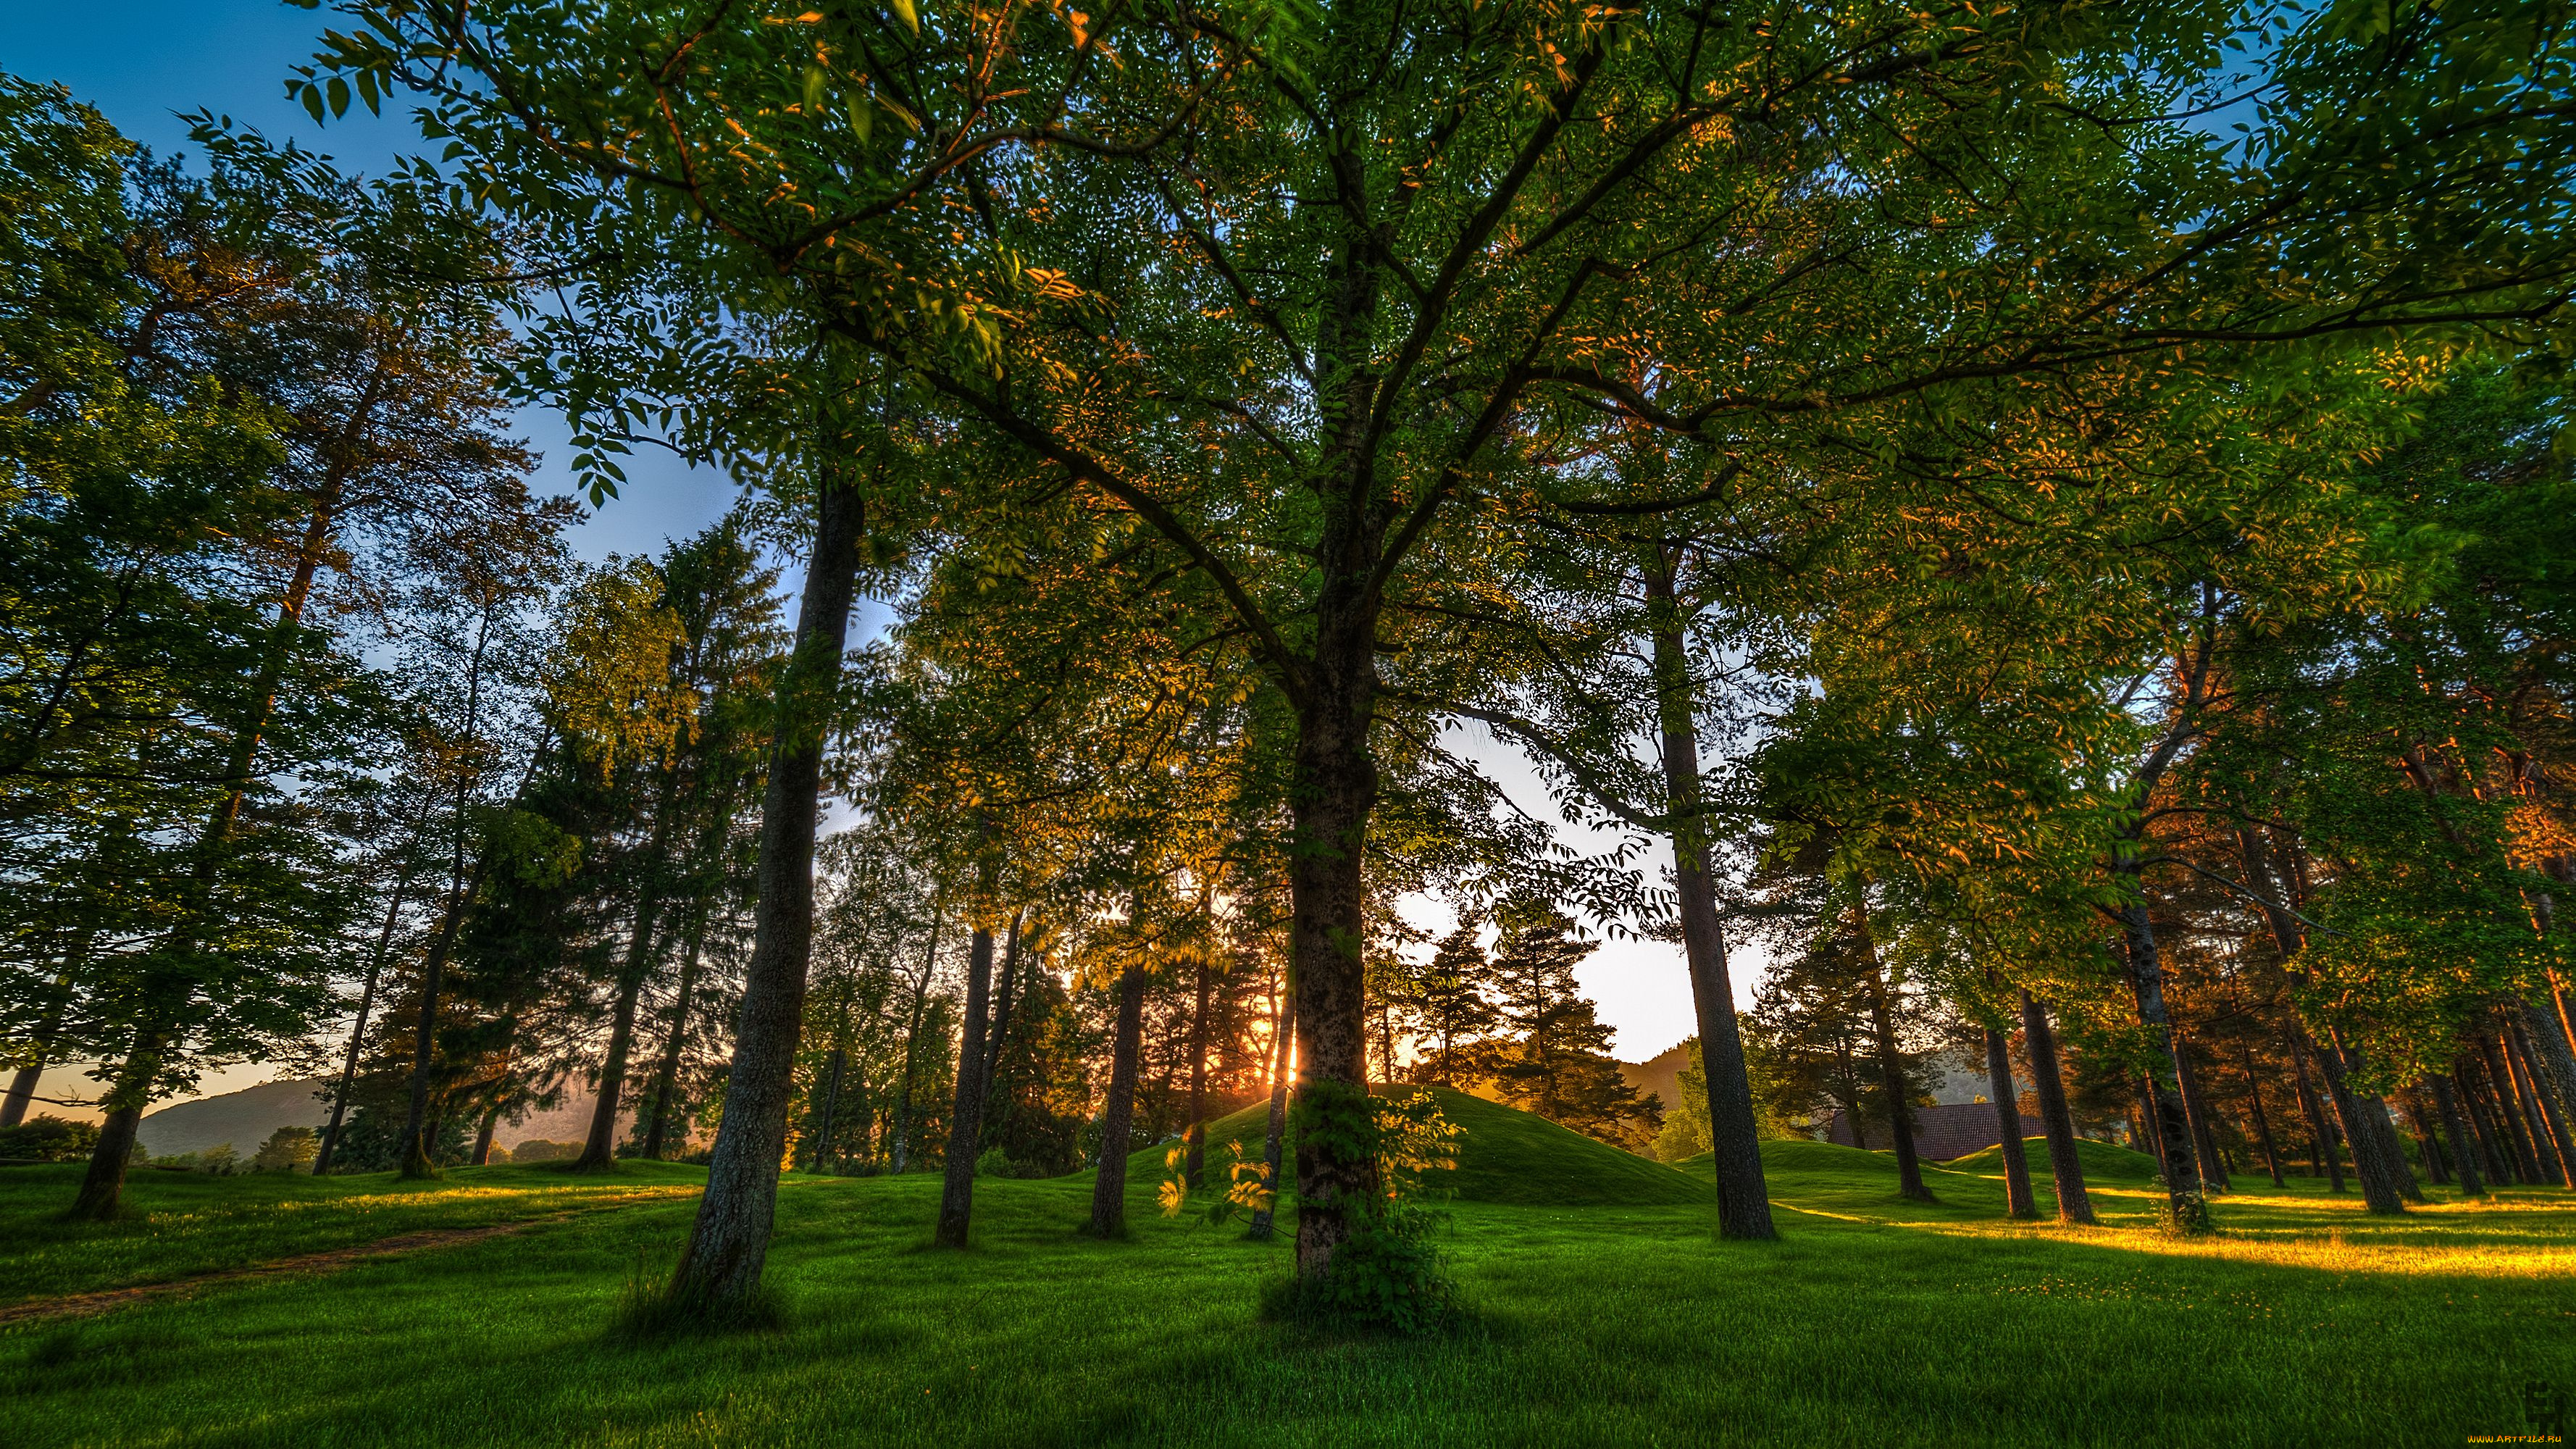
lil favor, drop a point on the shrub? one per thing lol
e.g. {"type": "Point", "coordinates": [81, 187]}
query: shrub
{"type": "Point", "coordinates": [288, 1149]}
{"type": "Point", "coordinates": [219, 1160]}
{"type": "Point", "coordinates": [538, 1149]}
{"type": "Point", "coordinates": [48, 1138]}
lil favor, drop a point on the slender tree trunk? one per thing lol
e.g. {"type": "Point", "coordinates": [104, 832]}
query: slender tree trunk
{"type": "Point", "coordinates": [600, 1152]}
{"type": "Point", "coordinates": [966, 1118]}
{"type": "Point", "coordinates": [2536, 1106]}
{"type": "Point", "coordinates": [2262, 1119]}
{"type": "Point", "coordinates": [2419, 1122]}
{"type": "Point", "coordinates": [2048, 1082]}
{"type": "Point", "coordinates": [2477, 1098]}
{"type": "Point", "coordinates": [729, 1243]}
{"type": "Point", "coordinates": [1118, 1114]}
{"type": "Point", "coordinates": [2018, 1202]}
{"type": "Point", "coordinates": [330, 1147]}
{"type": "Point", "coordinates": [2169, 1123]}
{"type": "Point", "coordinates": [2463, 1151]}
{"type": "Point", "coordinates": [2321, 1132]}
{"type": "Point", "coordinates": [414, 1150]}
{"type": "Point", "coordinates": [666, 1073]}
{"type": "Point", "coordinates": [2552, 1067]}
{"type": "Point", "coordinates": [2526, 1161]}
{"type": "Point", "coordinates": [1196, 1150]}
{"type": "Point", "coordinates": [483, 1135]}
{"type": "Point", "coordinates": [1734, 1139]}
{"type": "Point", "coordinates": [912, 1037]}
{"type": "Point", "coordinates": [823, 1156]}
{"type": "Point", "coordinates": [49, 1029]}
{"type": "Point", "coordinates": [1283, 1033]}
{"type": "Point", "coordinates": [2213, 1169]}
{"type": "Point", "coordinates": [1891, 1071]}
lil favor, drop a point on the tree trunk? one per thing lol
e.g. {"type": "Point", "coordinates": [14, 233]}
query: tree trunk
{"type": "Point", "coordinates": [1196, 1148]}
{"type": "Point", "coordinates": [2526, 1161]}
{"type": "Point", "coordinates": [2477, 1099]}
{"type": "Point", "coordinates": [22, 1086]}
{"type": "Point", "coordinates": [2213, 1168]}
{"type": "Point", "coordinates": [1118, 1114]}
{"type": "Point", "coordinates": [2018, 1202]}
{"type": "Point", "coordinates": [2464, 1159]}
{"type": "Point", "coordinates": [2262, 1119]}
{"type": "Point", "coordinates": [2536, 1106]}
{"type": "Point", "coordinates": [912, 1036]}
{"type": "Point", "coordinates": [1283, 1033]}
{"type": "Point", "coordinates": [2552, 1067]}
{"type": "Point", "coordinates": [2048, 1083]}
{"type": "Point", "coordinates": [2146, 1124]}
{"type": "Point", "coordinates": [2171, 1125]}
{"type": "Point", "coordinates": [2420, 1123]}
{"type": "Point", "coordinates": [1333, 790]}
{"type": "Point", "coordinates": [2323, 1160]}
{"type": "Point", "coordinates": [483, 1136]}
{"type": "Point", "coordinates": [729, 1243]}
{"type": "Point", "coordinates": [966, 1117]}
{"type": "Point", "coordinates": [358, 1031]}
{"type": "Point", "coordinates": [1734, 1139]}
{"type": "Point", "coordinates": [822, 1157]}
{"type": "Point", "coordinates": [666, 1073]}
{"type": "Point", "coordinates": [1891, 1071]}
{"type": "Point", "coordinates": [414, 1149]}
{"type": "Point", "coordinates": [600, 1152]}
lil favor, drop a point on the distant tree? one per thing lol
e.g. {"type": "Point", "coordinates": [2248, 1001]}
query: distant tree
{"type": "Point", "coordinates": [1451, 1010]}
{"type": "Point", "coordinates": [1555, 1060]}
{"type": "Point", "coordinates": [288, 1149]}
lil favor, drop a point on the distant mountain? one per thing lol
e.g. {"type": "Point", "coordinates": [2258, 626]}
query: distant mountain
{"type": "Point", "coordinates": [1660, 1074]}
{"type": "Point", "coordinates": [246, 1118]}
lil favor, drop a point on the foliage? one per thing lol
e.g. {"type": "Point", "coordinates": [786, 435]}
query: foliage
{"type": "Point", "coordinates": [48, 1138]}
{"type": "Point", "coordinates": [288, 1149]}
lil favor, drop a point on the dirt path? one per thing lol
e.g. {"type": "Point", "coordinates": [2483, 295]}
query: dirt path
{"type": "Point", "coordinates": [107, 1300]}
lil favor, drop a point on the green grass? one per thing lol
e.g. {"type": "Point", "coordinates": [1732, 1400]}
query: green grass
{"type": "Point", "coordinates": [183, 1224]}
{"type": "Point", "coordinates": [1504, 1156]}
{"type": "Point", "coordinates": [2103, 1161]}
{"type": "Point", "coordinates": [1873, 1322]}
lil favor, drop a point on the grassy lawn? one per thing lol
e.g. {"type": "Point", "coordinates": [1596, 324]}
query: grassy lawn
{"type": "Point", "coordinates": [1872, 1323]}
{"type": "Point", "coordinates": [181, 1224]}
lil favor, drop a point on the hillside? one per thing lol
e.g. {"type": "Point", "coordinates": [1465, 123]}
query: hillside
{"type": "Point", "coordinates": [2103, 1161]}
{"type": "Point", "coordinates": [1661, 1073]}
{"type": "Point", "coordinates": [1504, 1155]}
{"type": "Point", "coordinates": [246, 1118]}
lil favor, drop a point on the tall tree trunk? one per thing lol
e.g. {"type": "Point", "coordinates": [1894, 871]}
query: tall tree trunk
{"type": "Point", "coordinates": [1196, 1139]}
{"type": "Point", "coordinates": [1283, 1034]}
{"type": "Point", "coordinates": [2535, 1106]}
{"type": "Point", "coordinates": [2171, 1125]}
{"type": "Point", "coordinates": [823, 1156]}
{"type": "Point", "coordinates": [2327, 1162]}
{"type": "Point", "coordinates": [729, 1243]}
{"type": "Point", "coordinates": [2477, 1098]}
{"type": "Point", "coordinates": [1118, 1114]}
{"type": "Point", "coordinates": [2262, 1119]}
{"type": "Point", "coordinates": [1891, 1070]}
{"type": "Point", "coordinates": [2386, 1183]}
{"type": "Point", "coordinates": [2419, 1122]}
{"type": "Point", "coordinates": [2048, 1082]}
{"type": "Point", "coordinates": [413, 1152]}
{"type": "Point", "coordinates": [666, 1073]}
{"type": "Point", "coordinates": [358, 1030]}
{"type": "Point", "coordinates": [2553, 1079]}
{"type": "Point", "coordinates": [2464, 1158]}
{"type": "Point", "coordinates": [2517, 1136]}
{"type": "Point", "coordinates": [912, 1036]}
{"type": "Point", "coordinates": [2146, 1120]}
{"type": "Point", "coordinates": [483, 1136]}
{"type": "Point", "coordinates": [600, 1151]}
{"type": "Point", "coordinates": [165, 997]}
{"type": "Point", "coordinates": [2195, 1107]}
{"type": "Point", "coordinates": [1333, 791]}
{"type": "Point", "coordinates": [1734, 1139]}
{"type": "Point", "coordinates": [2018, 1202]}
{"type": "Point", "coordinates": [966, 1117]}
{"type": "Point", "coordinates": [49, 1029]}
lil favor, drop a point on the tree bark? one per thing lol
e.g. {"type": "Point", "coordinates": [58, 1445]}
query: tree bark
{"type": "Point", "coordinates": [2323, 1159]}
{"type": "Point", "coordinates": [414, 1150]}
{"type": "Point", "coordinates": [2213, 1169]}
{"type": "Point", "coordinates": [2018, 1202]}
{"type": "Point", "coordinates": [912, 1035]}
{"type": "Point", "coordinates": [822, 1158]}
{"type": "Point", "coordinates": [1891, 1070]}
{"type": "Point", "coordinates": [729, 1242]}
{"type": "Point", "coordinates": [2262, 1119]}
{"type": "Point", "coordinates": [2537, 1107]}
{"type": "Point", "coordinates": [483, 1136]}
{"type": "Point", "coordinates": [2464, 1152]}
{"type": "Point", "coordinates": [2171, 1125]}
{"type": "Point", "coordinates": [1283, 1032]}
{"type": "Point", "coordinates": [1334, 789]}
{"type": "Point", "coordinates": [2477, 1101]}
{"type": "Point", "coordinates": [966, 1116]}
{"type": "Point", "coordinates": [600, 1151]}
{"type": "Point", "coordinates": [358, 1031]}
{"type": "Point", "coordinates": [1734, 1138]}
{"type": "Point", "coordinates": [22, 1086]}
{"type": "Point", "coordinates": [666, 1073]}
{"type": "Point", "coordinates": [1196, 1140]}
{"type": "Point", "coordinates": [2552, 1067]}
{"type": "Point", "coordinates": [2048, 1082]}
{"type": "Point", "coordinates": [1118, 1114]}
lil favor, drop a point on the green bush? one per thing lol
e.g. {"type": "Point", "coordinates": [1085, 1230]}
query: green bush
{"type": "Point", "coordinates": [538, 1149]}
{"type": "Point", "coordinates": [48, 1138]}
{"type": "Point", "coordinates": [219, 1160]}
{"type": "Point", "coordinates": [288, 1149]}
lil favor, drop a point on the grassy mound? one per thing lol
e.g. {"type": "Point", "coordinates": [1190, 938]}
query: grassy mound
{"type": "Point", "coordinates": [2103, 1162]}
{"type": "Point", "coordinates": [1504, 1155]}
